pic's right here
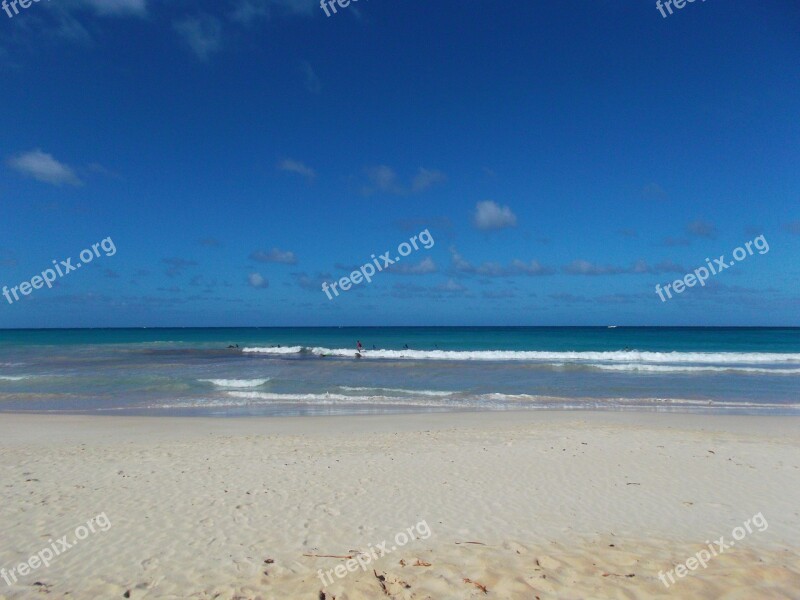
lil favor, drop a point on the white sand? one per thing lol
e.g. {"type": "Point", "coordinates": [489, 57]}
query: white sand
{"type": "Point", "coordinates": [563, 505]}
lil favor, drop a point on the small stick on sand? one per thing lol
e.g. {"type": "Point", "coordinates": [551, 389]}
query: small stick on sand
{"type": "Point", "coordinates": [477, 585]}
{"type": "Point", "coordinates": [478, 543]}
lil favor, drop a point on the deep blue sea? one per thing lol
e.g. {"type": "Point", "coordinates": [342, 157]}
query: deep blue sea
{"type": "Point", "coordinates": [312, 371]}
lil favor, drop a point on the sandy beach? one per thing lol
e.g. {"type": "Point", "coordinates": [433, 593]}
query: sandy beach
{"type": "Point", "coordinates": [462, 505]}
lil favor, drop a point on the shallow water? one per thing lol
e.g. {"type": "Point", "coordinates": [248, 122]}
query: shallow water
{"type": "Point", "coordinates": [315, 370]}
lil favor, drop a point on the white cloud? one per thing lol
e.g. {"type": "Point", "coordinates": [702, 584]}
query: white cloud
{"type": "Point", "coordinates": [490, 215]}
{"type": "Point", "coordinates": [43, 167]}
{"type": "Point", "coordinates": [425, 178]}
{"type": "Point", "coordinates": [451, 286]}
{"type": "Point", "coordinates": [493, 269]}
{"type": "Point", "coordinates": [531, 268]}
{"type": "Point", "coordinates": [584, 267]}
{"type": "Point", "coordinates": [274, 256]}
{"type": "Point", "coordinates": [425, 266]}
{"type": "Point", "coordinates": [203, 34]}
{"type": "Point", "coordinates": [384, 179]}
{"type": "Point", "coordinates": [295, 166]}
{"type": "Point", "coordinates": [639, 267]}
{"type": "Point", "coordinates": [257, 281]}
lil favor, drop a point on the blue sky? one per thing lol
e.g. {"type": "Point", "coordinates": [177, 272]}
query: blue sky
{"type": "Point", "coordinates": [566, 157]}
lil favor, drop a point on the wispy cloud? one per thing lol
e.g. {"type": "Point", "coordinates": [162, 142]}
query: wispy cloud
{"type": "Point", "coordinates": [308, 282]}
{"type": "Point", "coordinates": [695, 229]}
{"type": "Point", "coordinates": [424, 267]}
{"type": "Point", "coordinates": [312, 82]}
{"type": "Point", "coordinates": [701, 228]}
{"type": "Point", "coordinates": [274, 256]}
{"type": "Point", "coordinates": [248, 12]}
{"type": "Point", "coordinates": [449, 289]}
{"type": "Point", "coordinates": [640, 267]}
{"type": "Point", "coordinates": [426, 178]}
{"type": "Point", "coordinates": [295, 166]}
{"type": "Point", "coordinates": [493, 269]}
{"type": "Point", "coordinates": [176, 265]}
{"type": "Point", "coordinates": [118, 7]}
{"type": "Point", "coordinates": [584, 267]}
{"type": "Point", "coordinates": [489, 215]}
{"type": "Point", "coordinates": [530, 268]}
{"type": "Point", "coordinates": [202, 34]}
{"type": "Point", "coordinates": [451, 285]}
{"type": "Point", "coordinates": [43, 167]}
{"type": "Point", "coordinates": [383, 178]}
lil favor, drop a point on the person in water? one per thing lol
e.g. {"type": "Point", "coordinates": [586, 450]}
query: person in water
{"type": "Point", "coordinates": [359, 346]}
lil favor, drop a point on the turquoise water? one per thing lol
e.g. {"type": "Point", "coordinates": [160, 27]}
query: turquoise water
{"type": "Point", "coordinates": [298, 371]}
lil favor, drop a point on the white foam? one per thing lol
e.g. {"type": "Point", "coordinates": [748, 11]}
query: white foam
{"type": "Point", "coordinates": [293, 397]}
{"type": "Point", "coordinates": [690, 369]}
{"type": "Point", "coordinates": [237, 383]}
{"type": "Point", "coordinates": [492, 401]}
{"type": "Point", "coordinates": [263, 398]}
{"type": "Point", "coordinates": [283, 350]}
{"type": "Point", "coordinates": [14, 377]}
{"type": "Point", "coordinates": [626, 356]}
{"type": "Point", "coordinates": [396, 391]}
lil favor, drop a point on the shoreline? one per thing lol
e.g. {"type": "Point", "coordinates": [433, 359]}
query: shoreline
{"type": "Point", "coordinates": [559, 504]}
{"type": "Point", "coordinates": [410, 421]}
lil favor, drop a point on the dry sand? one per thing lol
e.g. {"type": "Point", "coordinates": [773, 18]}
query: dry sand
{"type": "Point", "coordinates": [526, 505]}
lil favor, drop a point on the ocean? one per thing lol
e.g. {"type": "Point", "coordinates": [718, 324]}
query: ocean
{"type": "Point", "coordinates": [315, 371]}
